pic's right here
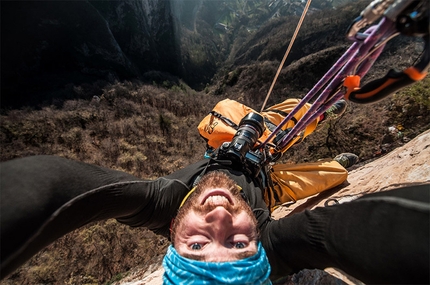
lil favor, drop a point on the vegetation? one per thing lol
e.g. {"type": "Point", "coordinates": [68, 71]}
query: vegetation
{"type": "Point", "coordinates": [149, 130]}
{"type": "Point", "coordinates": [126, 127]}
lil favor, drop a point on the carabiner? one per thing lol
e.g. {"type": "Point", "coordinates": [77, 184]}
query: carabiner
{"type": "Point", "coordinates": [373, 12]}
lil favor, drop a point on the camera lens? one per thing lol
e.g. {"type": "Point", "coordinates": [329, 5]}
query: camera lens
{"type": "Point", "coordinates": [251, 128]}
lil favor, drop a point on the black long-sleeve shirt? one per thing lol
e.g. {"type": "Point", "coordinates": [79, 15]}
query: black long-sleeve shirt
{"type": "Point", "coordinates": [379, 238]}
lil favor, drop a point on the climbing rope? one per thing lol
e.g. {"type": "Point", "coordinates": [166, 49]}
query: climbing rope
{"type": "Point", "coordinates": [308, 3]}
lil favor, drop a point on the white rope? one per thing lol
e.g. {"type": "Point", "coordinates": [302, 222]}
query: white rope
{"type": "Point", "coordinates": [308, 3]}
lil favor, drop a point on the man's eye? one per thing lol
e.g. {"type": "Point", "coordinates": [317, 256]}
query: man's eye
{"type": "Point", "coordinates": [196, 246]}
{"type": "Point", "coordinates": [239, 245]}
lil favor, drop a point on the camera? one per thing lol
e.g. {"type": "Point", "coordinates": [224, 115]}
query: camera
{"type": "Point", "coordinates": [240, 149]}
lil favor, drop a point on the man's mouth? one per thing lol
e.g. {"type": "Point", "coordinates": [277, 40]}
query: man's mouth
{"type": "Point", "coordinates": [217, 197]}
{"type": "Point", "coordinates": [217, 200]}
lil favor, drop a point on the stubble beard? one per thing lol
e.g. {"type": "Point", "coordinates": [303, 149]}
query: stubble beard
{"type": "Point", "coordinates": [212, 180]}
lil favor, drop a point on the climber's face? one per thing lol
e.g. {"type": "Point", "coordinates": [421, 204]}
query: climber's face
{"type": "Point", "coordinates": [215, 223]}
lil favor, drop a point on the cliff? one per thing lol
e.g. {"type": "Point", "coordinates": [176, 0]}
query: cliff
{"type": "Point", "coordinates": [50, 47]}
{"type": "Point", "coordinates": [47, 45]}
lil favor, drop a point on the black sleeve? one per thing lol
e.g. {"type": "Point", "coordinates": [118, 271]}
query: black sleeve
{"type": "Point", "coordinates": [45, 197]}
{"type": "Point", "coordinates": [378, 238]}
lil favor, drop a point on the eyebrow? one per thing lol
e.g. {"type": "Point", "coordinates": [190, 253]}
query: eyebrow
{"type": "Point", "coordinates": [203, 257]}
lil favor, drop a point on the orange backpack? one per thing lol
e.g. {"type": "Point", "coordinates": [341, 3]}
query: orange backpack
{"type": "Point", "coordinates": [221, 124]}
{"type": "Point", "coordinates": [288, 182]}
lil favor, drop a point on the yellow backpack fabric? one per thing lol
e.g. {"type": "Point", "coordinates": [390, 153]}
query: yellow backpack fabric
{"type": "Point", "coordinates": [220, 125]}
{"type": "Point", "coordinates": [292, 182]}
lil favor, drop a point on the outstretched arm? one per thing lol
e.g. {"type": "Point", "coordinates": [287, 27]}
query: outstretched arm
{"type": "Point", "coordinates": [45, 197]}
{"type": "Point", "coordinates": [378, 238]}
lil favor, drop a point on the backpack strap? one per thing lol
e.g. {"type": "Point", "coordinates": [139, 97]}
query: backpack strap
{"type": "Point", "coordinates": [225, 119]}
{"type": "Point", "coordinates": [281, 113]}
{"type": "Point", "coordinates": [271, 126]}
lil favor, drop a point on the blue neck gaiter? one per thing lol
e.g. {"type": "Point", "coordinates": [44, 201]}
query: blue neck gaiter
{"type": "Point", "coordinates": [251, 270]}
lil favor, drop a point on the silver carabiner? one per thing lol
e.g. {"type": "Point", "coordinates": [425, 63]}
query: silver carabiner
{"type": "Point", "coordinates": [370, 14]}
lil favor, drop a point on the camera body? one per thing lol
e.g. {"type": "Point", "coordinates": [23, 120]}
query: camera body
{"type": "Point", "coordinates": [240, 150]}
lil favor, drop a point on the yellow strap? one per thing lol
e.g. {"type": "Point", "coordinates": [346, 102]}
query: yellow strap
{"type": "Point", "coordinates": [188, 195]}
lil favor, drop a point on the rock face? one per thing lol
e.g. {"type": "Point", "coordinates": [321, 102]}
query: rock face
{"type": "Point", "coordinates": [406, 164]}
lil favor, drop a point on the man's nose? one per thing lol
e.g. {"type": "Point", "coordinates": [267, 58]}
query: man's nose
{"type": "Point", "coordinates": [220, 218]}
